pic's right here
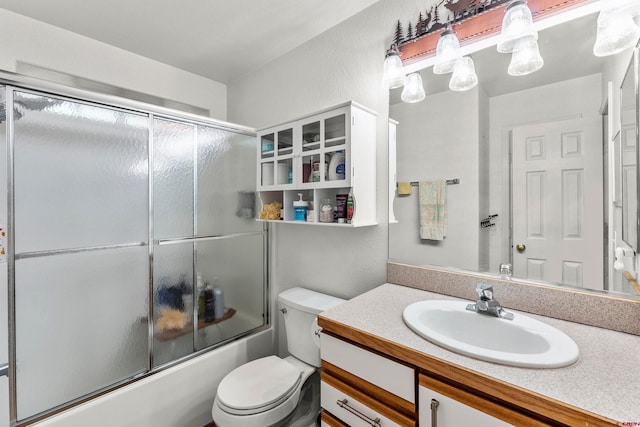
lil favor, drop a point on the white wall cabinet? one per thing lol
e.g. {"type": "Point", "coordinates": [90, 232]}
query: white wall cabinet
{"type": "Point", "coordinates": [300, 157]}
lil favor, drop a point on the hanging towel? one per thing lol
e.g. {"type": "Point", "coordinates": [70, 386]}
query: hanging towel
{"type": "Point", "coordinates": [433, 209]}
{"type": "Point", "coordinates": [404, 188]}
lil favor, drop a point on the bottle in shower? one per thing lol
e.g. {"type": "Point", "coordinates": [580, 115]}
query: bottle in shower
{"type": "Point", "coordinates": [209, 303]}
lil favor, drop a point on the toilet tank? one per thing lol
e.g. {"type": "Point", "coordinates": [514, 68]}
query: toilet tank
{"type": "Point", "coordinates": [301, 308]}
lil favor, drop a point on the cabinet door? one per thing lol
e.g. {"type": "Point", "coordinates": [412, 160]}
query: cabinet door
{"type": "Point", "coordinates": [443, 405]}
{"type": "Point", "coordinates": [275, 157]}
{"type": "Point", "coordinates": [324, 156]}
{"type": "Point", "coordinates": [451, 413]}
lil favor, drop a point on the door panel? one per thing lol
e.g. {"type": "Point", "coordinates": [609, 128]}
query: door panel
{"type": "Point", "coordinates": [81, 175]}
{"type": "Point", "coordinates": [557, 201]}
{"type": "Point", "coordinates": [78, 326]}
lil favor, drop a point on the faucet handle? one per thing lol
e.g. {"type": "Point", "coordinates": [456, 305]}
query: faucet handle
{"type": "Point", "coordinates": [485, 291]}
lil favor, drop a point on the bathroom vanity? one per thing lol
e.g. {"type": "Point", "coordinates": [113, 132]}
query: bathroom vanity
{"type": "Point", "coordinates": [377, 372]}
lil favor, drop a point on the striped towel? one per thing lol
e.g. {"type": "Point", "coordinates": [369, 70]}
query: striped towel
{"type": "Point", "coordinates": [433, 209]}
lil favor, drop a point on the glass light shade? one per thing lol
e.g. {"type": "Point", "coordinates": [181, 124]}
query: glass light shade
{"type": "Point", "coordinates": [413, 90]}
{"type": "Point", "coordinates": [616, 30]}
{"type": "Point", "coordinates": [393, 74]}
{"type": "Point", "coordinates": [464, 75]}
{"type": "Point", "coordinates": [447, 52]}
{"type": "Point", "coordinates": [526, 58]}
{"type": "Point", "coordinates": [516, 24]}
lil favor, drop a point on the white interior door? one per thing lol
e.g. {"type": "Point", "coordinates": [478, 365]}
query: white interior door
{"type": "Point", "coordinates": [557, 202]}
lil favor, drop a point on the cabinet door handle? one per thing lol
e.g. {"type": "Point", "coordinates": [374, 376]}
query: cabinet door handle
{"type": "Point", "coordinates": [373, 422]}
{"type": "Point", "coordinates": [434, 412]}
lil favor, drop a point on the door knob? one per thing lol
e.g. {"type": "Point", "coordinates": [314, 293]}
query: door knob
{"type": "Point", "coordinates": [520, 247]}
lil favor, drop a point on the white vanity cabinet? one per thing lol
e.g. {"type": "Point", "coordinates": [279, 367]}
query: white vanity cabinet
{"type": "Point", "coordinates": [362, 388]}
{"type": "Point", "coordinates": [301, 157]}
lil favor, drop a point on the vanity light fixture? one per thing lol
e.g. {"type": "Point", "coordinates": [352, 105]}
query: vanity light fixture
{"type": "Point", "coordinates": [616, 30]}
{"type": "Point", "coordinates": [447, 51]}
{"type": "Point", "coordinates": [464, 75]}
{"type": "Point", "coordinates": [517, 24]}
{"type": "Point", "coordinates": [393, 75]}
{"type": "Point", "coordinates": [525, 58]}
{"type": "Point", "coordinates": [413, 90]}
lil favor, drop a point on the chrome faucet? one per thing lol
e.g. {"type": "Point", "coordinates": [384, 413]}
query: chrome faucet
{"type": "Point", "coordinates": [486, 304]}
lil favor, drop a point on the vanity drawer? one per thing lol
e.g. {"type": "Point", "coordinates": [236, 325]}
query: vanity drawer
{"type": "Point", "coordinates": [356, 409]}
{"type": "Point", "coordinates": [385, 373]}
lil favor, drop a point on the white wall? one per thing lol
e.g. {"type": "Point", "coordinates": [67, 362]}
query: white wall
{"type": "Point", "coordinates": [33, 42]}
{"type": "Point", "coordinates": [345, 63]}
{"type": "Point", "coordinates": [438, 138]}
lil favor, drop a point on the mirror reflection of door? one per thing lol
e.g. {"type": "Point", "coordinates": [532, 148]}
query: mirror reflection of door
{"type": "Point", "coordinates": [557, 191]}
{"type": "Point", "coordinates": [628, 157]}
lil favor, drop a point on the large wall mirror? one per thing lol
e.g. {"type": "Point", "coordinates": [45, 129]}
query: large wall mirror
{"type": "Point", "coordinates": [539, 159]}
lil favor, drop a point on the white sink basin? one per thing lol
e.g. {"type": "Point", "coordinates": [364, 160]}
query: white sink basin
{"type": "Point", "coordinates": [523, 341]}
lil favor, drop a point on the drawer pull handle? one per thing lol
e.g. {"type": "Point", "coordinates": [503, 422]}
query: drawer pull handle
{"type": "Point", "coordinates": [434, 412]}
{"type": "Point", "coordinates": [344, 404]}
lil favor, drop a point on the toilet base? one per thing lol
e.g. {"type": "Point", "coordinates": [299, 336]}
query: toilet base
{"type": "Point", "coordinates": [300, 410]}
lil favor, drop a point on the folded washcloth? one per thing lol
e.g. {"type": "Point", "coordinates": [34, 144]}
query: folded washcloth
{"type": "Point", "coordinates": [433, 209]}
{"type": "Point", "coordinates": [404, 188]}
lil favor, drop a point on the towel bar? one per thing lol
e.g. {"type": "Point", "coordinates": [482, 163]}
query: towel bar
{"type": "Point", "coordinates": [449, 182]}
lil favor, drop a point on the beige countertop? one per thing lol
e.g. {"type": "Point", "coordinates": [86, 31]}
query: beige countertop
{"type": "Point", "coordinates": [604, 381]}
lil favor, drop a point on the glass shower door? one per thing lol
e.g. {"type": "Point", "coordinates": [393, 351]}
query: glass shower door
{"type": "Point", "coordinates": [212, 252]}
{"type": "Point", "coordinates": [233, 259]}
{"type": "Point", "coordinates": [81, 221]}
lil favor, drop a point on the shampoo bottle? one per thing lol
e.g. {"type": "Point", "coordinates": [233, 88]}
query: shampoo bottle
{"type": "Point", "coordinates": [218, 306]}
{"type": "Point", "coordinates": [201, 298]}
{"type": "Point", "coordinates": [209, 304]}
{"type": "Point", "coordinates": [351, 206]}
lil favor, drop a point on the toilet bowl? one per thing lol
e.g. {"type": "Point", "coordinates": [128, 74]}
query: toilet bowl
{"type": "Point", "coordinates": [269, 391]}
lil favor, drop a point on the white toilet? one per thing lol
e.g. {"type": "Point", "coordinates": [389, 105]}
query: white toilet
{"type": "Point", "coordinates": [266, 392]}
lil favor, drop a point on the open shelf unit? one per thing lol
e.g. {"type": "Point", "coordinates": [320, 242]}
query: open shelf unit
{"type": "Point", "coordinates": [318, 155]}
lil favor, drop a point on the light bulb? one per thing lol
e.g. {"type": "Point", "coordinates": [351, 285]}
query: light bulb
{"type": "Point", "coordinates": [393, 74]}
{"type": "Point", "coordinates": [413, 90]}
{"type": "Point", "coordinates": [516, 24]}
{"type": "Point", "coordinates": [464, 75]}
{"type": "Point", "coordinates": [616, 29]}
{"type": "Point", "coordinates": [526, 58]}
{"type": "Point", "coordinates": [447, 52]}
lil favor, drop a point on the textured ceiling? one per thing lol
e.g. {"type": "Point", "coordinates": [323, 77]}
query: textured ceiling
{"type": "Point", "coordinates": [217, 39]}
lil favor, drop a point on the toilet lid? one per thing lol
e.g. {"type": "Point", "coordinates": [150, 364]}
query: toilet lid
{"type": "Point", "coordinates": [257, 384]}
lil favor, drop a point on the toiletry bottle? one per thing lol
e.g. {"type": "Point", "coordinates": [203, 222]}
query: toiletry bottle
{"type": "Point", "coordinates": [218, 309]}
{"type": "Point", "coordinates": [326, 211]}
{"type": "Point", "coordinates": [300, 208]}
{"type": "Point", "coordinates": [186, 293]}
{"type": "Point", "coordinates": [209, 303]}
{"type": "Point", "coordinates": [336, 166]}
{"type": "Point", "coordinates": [201, 299]}
{"type": "Point", "coordinates": [351, 206]}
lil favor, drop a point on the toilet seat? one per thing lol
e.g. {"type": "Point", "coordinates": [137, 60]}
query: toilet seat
{"type": "Point", "coordinates": [258, 386]}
